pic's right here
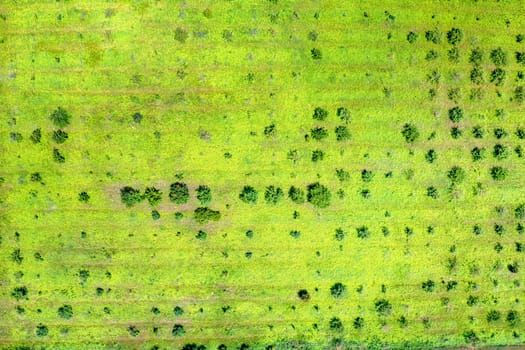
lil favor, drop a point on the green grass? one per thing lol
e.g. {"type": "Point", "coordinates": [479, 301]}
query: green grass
{"type": "Point", "coordinates": [103, 62]}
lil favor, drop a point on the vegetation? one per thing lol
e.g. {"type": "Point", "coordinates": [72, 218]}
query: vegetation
{"type": "Point", "coordinates": [130, 196]}
{"type": "Point", "coordinates": [273, 195]}
{"type": "Point", "coordinates": [204, 194]}
{"type": "Point", "coordinates": [318, 195]}
{"type": "Point", "coordinates": [248, 195]}
{"type": "Point", "coordinates": [296, 195]}
{"type": "Point", "coordinates": [410, 133]}
{"type": "Point", "coordinates": [60, 117]}
{"type": "Point", "coordinates": [153, 195]}
{"type": "Point", "coordinates": [179, 193]}
{"type": "Point", "coordinates": [204, 214]}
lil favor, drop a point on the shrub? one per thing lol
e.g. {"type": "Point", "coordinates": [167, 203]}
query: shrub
{"type": "Point", "coordinates": [130, 196]}
{"type": "Point", "coordinates": [248, 195]}
{"type": "Point", "coordinates": [520, 57]}
{"type": "Point", "coordinates": [203, 194]}
{"type": "Point", "coordinates": [295, 234]}
{"type": "Point", "coordinates": [500, 152]}
{"type": "Point", "coordinates": [153, 195]}
{"type": "Point", "coordinates": [433, 78]}
{"type": "Point", "coordinates": [520, 38]}
{"type": "Point", "coordinates": [513, 318]}
{"type": "Point", "coordinates": [36, 177]}
{"type": "Point", "coordinates": [338, 290]}
{"type": "Point", "coordinates": [36, 135]}
{"type": "Point", "coordinates": [363, 232]}
{"type": "Point", "coordinates": [317, 155]}
{"type": "Point", "coordinates": [83, 197]}
{"type": "Point", "coordinates": [455, 132]}
{"type": "Point", "coordinates": [431, 55]}
{"type": "Point", "coordinates": [336, 325]}
{"type": "Point", "coordinates": [204, 214]}
{"type": "Point", "coordinates": [19, 293]}
{"type": "Point", "coordinates": [58, 157]}
{"type": "Point", "coordinates": [410, 133]}
{"type": "Point", "coordinates": [270, 130]}
{"type": "Point", "coordinates": [412, 37]}
{"type": "Point", "coordinates": [367, 175]}
{"type": "Point", "coordinates": [498, 173]}
{"type": "Point", "coordinates": [453, 55]}
{"type": "Point", "coordinates": [476, 56]}
{"type": "Point", "coordinates": [179, 193]}
{"type": "Point", "coordinates": [178, 330]}
{"type": "Point", "coordinates": [383, 307]}
{"type": "Point", "coordinates": [493, 316]}
{"type": "Point", "coordinates": [433, 36]}
{"type": "Point", "coordinates": [319, 133]}
{"type": "Point", "coordinates": [133, 331]}
{"type": "Point", "coordinates": [476, 75]}
{"type": "Point", "coordinates": [358, 323]}
{"type": "Point", "coordinates": [181, 35]}
{"type": "Point", "coordinates": [478, 132]}
{"type": "Point", "coordinates": [16, 256]}
{"type": "Point", "coordinates": [513, 268]}
{"type": "Point", "coordinates": [431, 156]}
{"type": "Point", "coordinates": [477, 153]}
{"type": "Point", "coordinates": [137, 117]}
{"type": "Point", "coordinates": [520, 133]}
{"type": "Point", "coordinates": [498, 57]}
{"type": "Point", "coordinates": [60, 136]}
{"type": "Point", "coordinates": [456, 174]}
{"type": "Point", "coordinates": [201, 235]}
{"type": "Point", "coordinates": [320, 113]}
{"type": "Point", "coordinates": [497, 76]}
{"type": "Point", "coordinates": [519, 212]}
{"type": "Point", "coordinates": [318, 195]}
{"type": "Point", "coordinates": [303, 295]}
{"type": "Point", "coordinates": [455, 114]}
{"type": "Point", "coordinates": [339, 234]}
{"type": "Point", "coordinates": [65, 311]}
{"type": "Point", "coordinates": [476, 229]}
{"type": "Point", "coordinates": [519, 94]}
{"type": "Point", "coordinates": [178, 311]}
{"type": "Point", "coordinates": [155, 215]}
{"type": "Point", "coordinates": [41, 330]}
{"type": "Point", "coordinates": [342, 133]}
{"type": "Point", "coordinates": [316, 54]}
{"type": "Point", "coordinates": [428, 286]}
{"type": "Point", "coordinates": [296, 194]}
{"type": "Point", "coordinates": [454, 36]}
{"type": "Point", "coordinates": [60, 117]}
{"type": "Point", "coordinates": [344, 114]}
{"type": "Point", "coordinates": [432, 192]}
{"type": "Point", "coordinates": [273, 195]}
{"type": "Point", "coordinates": [470, 336]}
{"type": "Point", "coordinates": [500, 133]}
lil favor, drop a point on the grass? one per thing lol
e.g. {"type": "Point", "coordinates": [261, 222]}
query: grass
{"type": "Point", "coordinates": [104, 62]}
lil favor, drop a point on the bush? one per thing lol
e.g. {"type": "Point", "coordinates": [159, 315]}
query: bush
{"type": "Point", "coordinates": [500, 133]}
{"type": "Point", "coordinates": [41, 330]}
{"type": "Point", "coordinates": [83, 197]}
{"type": "Point", "coordinates": [19, 293]}
{"type": "Point", "coordinates": [520, 38]}
{"type": "Point", "coordinates": [178, 311]}
{"type": "Point", "coordinates": [520, 133]}
{"type": "Point", "coordinates": [498, 173]}
{"type": "Point", "coordinates": [432, 192]}
{"type": "Point", "coordinates": [58, 157]}
{"type": "Point", "coordinates": [336, 325]}
{"type": "Point", "coordinates": [476, 76]}
{"type": "Point", "coordinates": [317, 155]}
{"type": "Point", "coordinates": [270, 130]}
{"type": "Point", "coordinates": [476, 56]}
{"type": "Point", "coordinates": [273, 195]}
{"type": "Point", "coordinates": [428, 286]}
{"type": "Point", "coordinates": [36, 177]}
{"type": "Point", "coordinates": [16, 256]}
{"type": "Point", "coordinates": [367, 175]}
{"type": "Point", "coordinates": [179, 193]}
{"type": "Point", "coordinates": [60, 117]}
{"type": "Point", "coordinates": [433, 36]}
{"type": "Point", "coordinates": [519, 94]}
{"type": "Point", "coordinates": [342, 175]}
{"type": "Point", "coordinates": [470, 337]}
{"type": "Point", "coordinates": [456, 175]}
{"type": "Point", "coordinates": [204, 214]}
{"type": "Point", "coordinates": [499, 229]}
{"type": "Point", "coordinates": [478, 132]}
{"type": "Point", "coordinates": [497, 76]}
{"type": "Point", "coordinates": [455, 114]}
{"type": "Point", "coordinates": [498, 57]}
{"type": "Point", "coordinates": [133, 331]}
{"type": "Point", "coordinates": [319, 133]}
{"type": "Point", "coordinates": [316, 54]}
{"type": "Point", "coordinates": [453, 55]}
{"type": "Point", "coordinates": [383, 307]}
{"type": "Point", "coordinates": [137, 117]}
{"type": "Point", "coordinates": [155, 215]}
{"type": "Point", "coordinates": [431, 55]}
{"type": "Point", "coordinates": [339, 234]}
{"type": "Point", "coordinates": [344, 114]}
{"type": "Point", "coordinates": [16, 136]}
{"type": "Point", "coordinates": [296, 195]}
{"type": "Point", "coordinates": [493, 316]}
{"type": "Point", "coordinates": [363, 232]}
{"type": "Point", "coordinates": [477, 153]}
{"type": "Point", "coordinates": [520, 57]}
{"type": "Point", "coordinates": [500, 152]}
{"type": "Point", "coordinates": [454, 36]}
{"type": "Point", "coordinates": [295, 234]}
{"type": "Point", "coordinates": [320, 113]}
{"type": "Point", "coordinates": [338, 290]}
{"type": "Point", "coordinates": [513, 268]}
{"type": "Point", "coordinates": [303, 295]}
{"type": "Point", "coordinates": [358, 323]}
{"type": "Point", "coordinates": [433, 78]}
{"type": "Point", "coordinates": [36, 135]}
{"type": "Point", "coordinates": [455, 133]}
{"type": "Point", "coordinates": [153, 195]}
{"type": "Point", "coordinates": [60, 136]}
{"type": "Point", "coordinates": [412, 37]}
{"type": "Point", "coordinates": [178, 330]}
{"type": "Point", "coordinates": [130, 196]}
{"type": "Point", "coordinates": [201, 235]}
{"type": "Point", "coordinates": [203, 194]}
{"type": "Point", "coordinates": [342, 133]}
{"type": "Point", "coordinates": [65, 311]}
{"type": "Point", "coordinates": [431, 156]}
{"type": "Point", "coordinates": [181, 35]}
{"type": "Point", "coordinates": [410, 133]}
{"type": "Point", "coordinates": [318, 195]}
{"type": "Point", "coordinates": [248, 195]}
{"type": "Point", "coordinates": [513, 318]}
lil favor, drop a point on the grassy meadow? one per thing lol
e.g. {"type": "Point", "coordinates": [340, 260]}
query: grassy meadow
{"type": "Point", "coordinates": [222, 93]}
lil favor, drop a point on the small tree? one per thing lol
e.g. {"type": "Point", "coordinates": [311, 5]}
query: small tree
{"type": "Point", "coordinates": [478, 153]}
{"type": "Point", "coordinates": [153, 195]}
{"type": "Point", "coordinates": [178, 311]}
{"type": "Point", "coordinates": [476, 75]}
{"type": "Point", "coordinates": [319, 133]}
{"type": "Point", "coordinates": [181, 35]}
{"type": "Point", "coordinates": [65, 311]}
{"type": "Point", "coordinates": [344, 114]}
{"type": "Point", "coordinates": [432, 192]}
{"type": "Point", "coordinates": [428, 286]}
{"type": "Point", "coordinates": [130, 196]}
{"type": "Point", "coordinates": [497, 76]}
{"type": "Point", "coordinates": [318, 195]}
{"type": "Point", "coordinates": [453, 55]}
{"type": "Point", "coordinates": [359, 323]}
{"type": "Point", "coordinates": [336, 325]}
{"type": "Point", "coordinates": [498, 57]}
{"type": "Point", "coordinates": [41, 330]}
{"type": "Point", "coordinates": [500, 152]}
{"type": "Point", "coordinates": [320, 113]}
{"type": "Point", "coordinates": [178, 330]}
{"type": "Point", "coordinates": [179, 193]}
{"type": "Point", "coordinates": [58, 157]}
{"type": "Point", "coordinates": [270, 130]}
{"type": "Point", "coordinates": [342, 133]}
{"type": "Point", "coordinates": [338, 290]}
{"type": "Point", "coordinates": [60, 117]}
{"type": "Point", "coordinates": [520, 57]}
{"type": "Point", "coordinates": [454, 36]}
{"type": "Point", "coordinates": [273, 195]}
{"type": "Point", "coordinates": [363, 232]}
{"type": "Point", "coordinates": [83, 197]}
{"type": "Point", "coordinates": [431, 156]}
{"type": "Point", "coordinates": [317, 155]}
{"type": "Point", "coordinates": [498, 173]}
{"type": "Point", "coordinates": [342, 175]}
{"type": "Point", "coordinates": [204, 214]}
{"type": "Point", "coordinates": [493, 316]}
{"type": "Point", "coordinates": [36, 135]}
{"type": "Point", "coordinates": [60, 136]}
{"type": "Point", "coordinates": [339, 234]}
{"type": "Point", "coordinates": [410, 133]}
{"type": "Point", "coordinates": [383, 307]}
{"type": "Point", "coordinates": [433, 36]}
{"type": "Point", "coordinates": [513, 318]}
{"type": "Point", "coordinates": [476, 56]}
{"type": "Point", "coordinates": [203, 194]}
{"type": "Point", "coordinates": [519, 212]}
{"type": "Point", "coordinates": [367, 175]}
{"type": "Point", "coordinates": [248, 195]}
{"type": "Point", "coordinates": [316, 54]}
{"type": "Point", "coordinates": [19, 293]}
{"type": "Point", "coordinates": [478, 132]}
{"type": "Point", "coordinates": [456, 175]}
{"type": "Point", "coordinates": [155, 215]}
{"type": "Point", "coordinates": [412, 37]}
{"type": "Point", "coordinates": [133, 331]}
{"type": "Point", "coordinates": [303, 295]}
{"type": "Point", "coordinates": [455, 114]}
{"type": "Point", "coordinates": [296, 194]}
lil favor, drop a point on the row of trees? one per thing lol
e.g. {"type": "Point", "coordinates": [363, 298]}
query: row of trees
{"type": "Point", "coordinates": [316, 194]}
{"type": "Point", "coordinates": [179, 194]}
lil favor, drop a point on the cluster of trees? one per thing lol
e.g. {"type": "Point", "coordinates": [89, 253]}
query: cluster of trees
{"type": "Point", "coordinates": [316, 194]}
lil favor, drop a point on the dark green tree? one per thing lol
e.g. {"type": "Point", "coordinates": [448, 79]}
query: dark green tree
{"type": "Point", "coordinates": [498, 57]}
{"type": "Point", "coordinates": [338, 290]}
{"type": "Point", "coordinates": [248, 195]}
{"type": "Point", "coordinates": [153, 195]}
{"type": "Point", "coordinates": [60, 117]}
{"type": "Point", "coordinates": [130, 196]}
{"type": "Point", "coordinates": [83, 197]}
{"type": "Point", "coordinates": [319, 133]}
{"type": "Point", "coordinates": [320, 113]}
{"type": "Point", "coordinates": [383, 307]}
{"type": "Point", "coordinates": [296, 194]}
{"type": "Point", "coordinates": [65, 311]}
{"type": "Point", "coordinates": [204, 194]}
{"type": "Point", "coordinates": [273, 195]}
{"type": "Point", "coordinates": [498, 173]}
{"type": "Point", "coordinates": [410, 133]}
{"type": "Point", "coordinates": [178, 330]}
{"type": "Point", "coordinates": [454, 36]}
{"type": "Point", "coordinates": [36, 135]}
{"type": "Point", "coordinates": [318, 195]}
{"type": "Point", "coordinates": [456, 175]}
{"type": "Point", "coordinates": [204, 214]}
{"type": "Point", "coordinates": [335, 324]}
{"type": "Point", "coordinates": [41, 330]}
{"type": "Point", "coordinates": [455, 114]}
{"type": "Point", "coordinates": [342, 133]}
{"type": "Point", "coordinates": [179, 193]}
{"type": "Point", "coordinates": [412, 37]}
{"type": "Point", "coordinates": [60, 136]}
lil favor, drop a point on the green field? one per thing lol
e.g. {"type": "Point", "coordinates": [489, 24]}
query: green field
{"type": "Point", "coordinates": [268, 94]}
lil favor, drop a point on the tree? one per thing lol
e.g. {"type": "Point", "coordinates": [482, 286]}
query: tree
{"type": "Point", "coordinates": [16, 256]}
{"type": "Point", "coordinates": [36, 135]}
{"type": "Point", "coordinates": [178, 311]}
{"type": "Point", "coordinates": [453, 55]}
{"type": "Point", "coordinates": [65, 311]}
{"type": "Point", "coordinates": [181, 35]}
{"type": "Point", "coordinates": [270, 130]}
{"type": "Point", "coordinates": [296, 194]}
{"type": "Point", "coordinates": [41, 330]}
{"type": "Point", "coordinates": [412, 37]}
{"type": "Point", "coordinates": [19, 293]}
{"type": "Point", "coordinates": [60, 117]}
{"type": "Point", "coordinates": [497, 76]}
{"type": "Point", "coordinates": [338, 290]}
{"type": "Point", "coordinates": [498, 57]}
{"type": "Point", "coordinates": [478, 153]}
{"type": "Point", "coordinates": [133, 331]}
{"type": "Point", "coordinates": [179, 193]}
{"type": "Point", "coordinates": [410, 133]}
{"type": "Point", "coordinates": [455, 114]}
{"type": "Point", "coordinates": [320, 113]}
{"type": "Point", "coordinates": [520, 57]}
{"type": "Point", "coordinates": [519, 94]}
{"type": "Point", "coordinates": [359, 323]}
{"type": "Point", "coordinates": [153, 195]}
{"type": "Point", "coordinates": [336, 325]}
{"type": "Point", "coordinates": [367, 175]}
{"type": "Point", "coordinates": [519, 212]}
{"type": "Point", "coordinates": [318, 195]}
{"type": "Point", "coordinates": [428, 286]}
{"type": "Point", "coordinates": [493, 316]}
{"type": "Point", "coordinates": [273, 195]}
{"type": "Point", "coordinates": [513, 318]}
{"type": "Point", "coordinates": [476, 75]}
{"type": "Point", "coordinates": [383, 307]}
{"type": "Point", "coordinates": [342, 133]}
{"type": "Point", "coordinates": [137, 117]}
{"type": "Point", "coordinates": [303, 295]}
{"type": "Point", "coordinates": [319, 133]}
{"type": "Point", "coordinates": [178, 330]}
{"type": "Point", "coordinates": [500, 133]}
{"type": "Point", "coordinates": [339, 234]}
{"type": "Point", "coordinates": [204, 214]}
{"type": "Point", "coordinates": [520, 133]}
{"type": "Point", "coordinates": [248, 195]}
{"type": "Point", "coordinates": [58, 157]}
{"type": "Point", "coordinates": [432, 192]}
{"type": "Point", "coordinates": [433, 36]}
{"type": "Point", "coordinates": [155, 215]}
{"type": "Point", "coordinates": [455, 132]}
{"type": "Point", "coordinates": [130, 196]}
{"type": "Point", "coordinates": [204, 194]}
{"type": "Point", "coordinates": [60, 136]}
{"type": "Point", "coordinates": [454, 36]}
{"type": "Point", "coordinates": [478, 132]}
{"type": "Point", "coordinates": [344, 114]}
{"type": "Point", "coordinates": [456, 175]}
{"type": "Point", "coordinates": [316, 54]}
{"type": "Point", "coordinates": [342, 175]}
{"type": "Point", "coordinates": [498, 173]}
{"type": "Point", "coordinates": [500, 152]}
{"type": "Point", "coordinates": [363, 232]}
{"type": "Point", "coordinates": [83, 197]}
{"type": "Point", "coordinates": [470, 336]}
{"type": "Point", "coordinates": [317, 155]}
{"type": "Point", "coordinates": [476, 56]}
{"type": "Point", "coordinates": [431, 156]}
